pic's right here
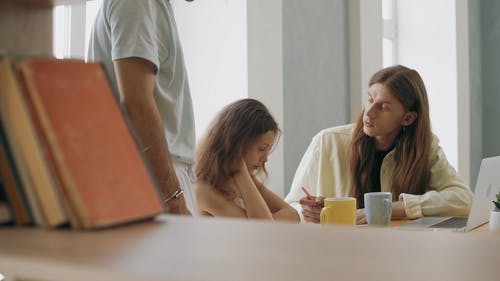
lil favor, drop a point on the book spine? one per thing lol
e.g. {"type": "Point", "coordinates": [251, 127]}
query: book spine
{"type": "Point", "coordinates": [12, 182]}
{"type": "Point", "coordinates": [29, 153]}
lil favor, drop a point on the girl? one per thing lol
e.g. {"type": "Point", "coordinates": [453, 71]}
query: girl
{"type": "Point", "coordinates": [390, 148]}
{"type": "Point", "coordinates": [229, 159]}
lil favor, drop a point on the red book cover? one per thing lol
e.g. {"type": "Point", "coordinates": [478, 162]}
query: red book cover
{"type": "Point", "coordinates": [102, 173]}
{"type": "Point", "coordinates": [28, 153]}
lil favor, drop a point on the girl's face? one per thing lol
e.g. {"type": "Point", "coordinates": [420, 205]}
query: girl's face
{"type": "Point", "coordinates": [384, 116]}
{"type": "Point", "coordinates": [258, 150]}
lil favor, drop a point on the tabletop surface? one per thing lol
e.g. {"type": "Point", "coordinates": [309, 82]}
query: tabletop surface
{"type": "Point", "coordinates": [181, 248]}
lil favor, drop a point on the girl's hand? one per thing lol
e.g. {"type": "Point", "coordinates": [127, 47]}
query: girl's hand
{"type": "Point", "coordinates": [242, 177]}
{"type": "Point", "coordinates": [243, 170]}
{"type": "Point", "coordinates": [243, 165]}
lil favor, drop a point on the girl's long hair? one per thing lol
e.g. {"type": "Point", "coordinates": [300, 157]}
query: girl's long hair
{"type": "Point", "coordinates": [220, 151]}
{"type": "Point", "coordinates": [412, 147]}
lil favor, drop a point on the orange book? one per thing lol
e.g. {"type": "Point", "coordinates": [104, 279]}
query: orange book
{"type": "Point", "coordinates": [12, 183]}
{"type": "Point", "coordinates": [6, 216]}
{"type": "Point", "coordinates": [102, 174]}
{"type": "Point", "coordinates": [29, 154]}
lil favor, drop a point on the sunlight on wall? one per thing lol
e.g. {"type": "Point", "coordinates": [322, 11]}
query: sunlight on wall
{"type": "Point", "coordinates": [214, 39]}
{"type": "Point", "coordinates": [61, 31]}
{"type": "Point", "coordinates": [430, 48]}
{"type": "Point", "coordinates": [91, 13]}
{"type": "Point", "coordinates": [64, 28]}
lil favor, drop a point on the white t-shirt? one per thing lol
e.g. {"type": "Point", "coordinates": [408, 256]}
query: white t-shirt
{"type": "Point", "coordinates": [147, 29]}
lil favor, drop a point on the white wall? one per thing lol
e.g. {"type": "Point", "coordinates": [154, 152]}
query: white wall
{"type": "Point", "coordinates": [233, 50]}
{"type": "Point", "coordinates": [464, 103]}
{"type": "Point", "coordinates": [214, 39]}
{"type": "Point", "coordinates": [265, 73]}
{"type": "Point", "coordinates": [365, 53]}
{"type": "Point", "coordinates": [427, 43]}
{"type": "Point", "coordinates": [92, 7]}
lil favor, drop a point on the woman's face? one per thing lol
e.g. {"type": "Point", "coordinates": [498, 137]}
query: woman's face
{"type": "Point", "coordinates": [384, 116]}
{"type": "Point", "coordinates": [258, 150]}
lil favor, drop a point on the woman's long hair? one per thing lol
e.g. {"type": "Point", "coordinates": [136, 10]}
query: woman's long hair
{"type": "Point", "coordinates": [220, 151]}
{"type": "Point", "coordinates": [412, 147]}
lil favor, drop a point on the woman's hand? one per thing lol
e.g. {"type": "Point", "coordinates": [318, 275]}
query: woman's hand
{"type": "Point", "coordinates": [360, 216]}
{"type": "Point", "coordinates": [311, 208]}
{"type": "Point", "coordinates": [398, 210]}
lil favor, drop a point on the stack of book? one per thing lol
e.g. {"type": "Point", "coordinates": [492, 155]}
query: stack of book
{"type": "Point", "coordinates": [67, 153]}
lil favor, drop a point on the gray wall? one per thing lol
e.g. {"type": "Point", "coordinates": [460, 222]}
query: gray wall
{"type": "Point", "coordinates": [315, 74]}
{"type": "Point", "coordinates": [476, 113]}
{"type": "Point", "coordinates": [490, 73]}
{"type": "Point", "coordinates": [484, 34]}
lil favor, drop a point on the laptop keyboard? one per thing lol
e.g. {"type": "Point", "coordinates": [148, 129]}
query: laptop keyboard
{"type": "Point", "coordinates": [453, 222]}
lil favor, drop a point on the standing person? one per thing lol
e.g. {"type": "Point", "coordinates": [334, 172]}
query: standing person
{"type": "Point", "coordinates": [229, 160]}
{"type": "Point", "coordinates": [137, 42]}
{"type": "Point", "coordinates": [390, 148]}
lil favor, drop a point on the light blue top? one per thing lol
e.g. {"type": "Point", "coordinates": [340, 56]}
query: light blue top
{"type": "Point", "coordinates": [147, 29]}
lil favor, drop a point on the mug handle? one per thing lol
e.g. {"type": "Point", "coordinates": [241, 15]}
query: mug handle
{"type": "Point", "coordinates": [388, 203]}
{"type": "Point", "coordinates": [322, 216]}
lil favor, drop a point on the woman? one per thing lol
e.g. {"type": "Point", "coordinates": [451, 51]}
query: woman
{"type": "Point", "coordinates": [390, 148]}
{"type": "Point", "coordinates": [229, 159]}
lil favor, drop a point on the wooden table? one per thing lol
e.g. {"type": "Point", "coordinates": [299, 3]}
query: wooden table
{"type": "Point", "coordinates": [178, 248]}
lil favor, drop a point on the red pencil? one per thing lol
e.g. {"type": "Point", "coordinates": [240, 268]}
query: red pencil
{"type": "Point", "coordinates": [309, 196]}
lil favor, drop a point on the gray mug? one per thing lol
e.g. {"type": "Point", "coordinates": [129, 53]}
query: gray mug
{"type": "Point", "coordinates": [378, 208]}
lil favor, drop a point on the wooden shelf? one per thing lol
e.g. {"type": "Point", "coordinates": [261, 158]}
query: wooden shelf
{"type": "Point", "coordinates": [26, 25]}
{"type": "Point", "coordinates": [41, 3]}
{"type": "Point", "coordinates": [32, 3]}
{"type": "Point", "coordinates": [26, 28]}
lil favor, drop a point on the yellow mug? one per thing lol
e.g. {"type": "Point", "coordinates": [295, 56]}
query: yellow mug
{"type": "Point", "coordinates": [340, 210]}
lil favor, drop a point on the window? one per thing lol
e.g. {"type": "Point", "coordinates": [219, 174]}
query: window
{"type": "Point", "coordinates": [389, 32]}
{"type": "Point", "coordinates": [422, 35]}
{"type": "Point", "coordinates": [62, 31]}
{"type": "Point", "coordinates": [72, 26]}
{"type": "Point", "coordinates": [90, 14]}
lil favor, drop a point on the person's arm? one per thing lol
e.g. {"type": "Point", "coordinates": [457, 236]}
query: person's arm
{"type": "Point", "coordinates": [260, 202]}
{"type": "Point", "coordinates": [211, 202]}
{"type": "Point", "coordinates": [136, 78]}
{"type": "Point", "coordinates": [306, 176]}
{"type": "Point", "coordinates": [281, 211]}
{"type": "Point", "coordinates": [313, 174]}
{"type": "Point", "coordinates": [447, 196]}
{"type": "Point", "coordinates": [255, 205]}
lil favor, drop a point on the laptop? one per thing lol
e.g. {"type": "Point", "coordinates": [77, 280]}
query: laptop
{"type": "Point", "coordinates": [487, 186]}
